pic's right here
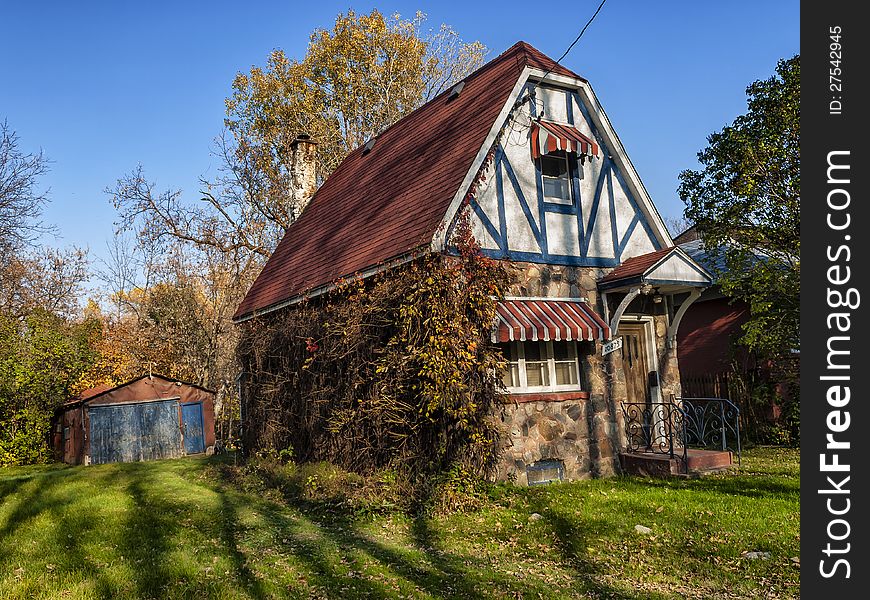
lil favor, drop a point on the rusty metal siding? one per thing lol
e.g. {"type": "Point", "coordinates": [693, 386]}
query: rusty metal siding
{"type": "Point", "coordinates": [133, 432]}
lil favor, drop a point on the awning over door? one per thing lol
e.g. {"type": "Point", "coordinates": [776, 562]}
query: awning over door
{"type": "Point", "coordinates": [545, 319]}
{"type": "Point", "coordinates": [551, 137]}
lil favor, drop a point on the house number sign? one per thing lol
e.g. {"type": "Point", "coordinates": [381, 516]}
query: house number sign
{"type": "Point", "coordinates": [611, 346]}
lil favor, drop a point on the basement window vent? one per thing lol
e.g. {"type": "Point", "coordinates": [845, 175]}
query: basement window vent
{"type": "Point", "coordinates": [454, 93]}
{"type": "Point", "coordinates": [545, 471]}
{"type": "Point", "coordinates": [369, 145]}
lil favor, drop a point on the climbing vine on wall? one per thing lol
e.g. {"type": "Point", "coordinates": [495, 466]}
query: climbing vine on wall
{"type": "Point", "coordinates": [397, 370]}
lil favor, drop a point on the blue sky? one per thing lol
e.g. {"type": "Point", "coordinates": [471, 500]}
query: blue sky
{"type": "Point", "coordinates": [103, 86]}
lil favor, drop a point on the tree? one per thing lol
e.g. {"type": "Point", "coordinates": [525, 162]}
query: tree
{"type": "Point", "coordinates": [42, 356]}
{"type": "Point", "coordinates": [21, 201]}
{"type": "Point", "coordinates": [355, 80]}
{"type": "Point", "coordinates": [745, 203]}
{"type": "Point", "coordinates": [43, 278]}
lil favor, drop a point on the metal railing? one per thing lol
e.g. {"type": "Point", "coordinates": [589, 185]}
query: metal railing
{"type": "Point", "coordinates": [711, 423]}
{"type": "Point", "coordinates": [671, 427]}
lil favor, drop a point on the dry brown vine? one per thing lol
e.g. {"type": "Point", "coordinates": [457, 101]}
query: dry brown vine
{"type": "Point", "coordinates": [394, 371]}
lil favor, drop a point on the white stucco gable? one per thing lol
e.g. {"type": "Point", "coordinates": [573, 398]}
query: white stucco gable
{"type": "Point", "coordinates": [606, 217]}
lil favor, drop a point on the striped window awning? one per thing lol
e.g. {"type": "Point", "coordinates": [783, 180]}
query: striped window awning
{"type": "Point", "coordinates": [546, 319]}
{"type": "Point", "coordinates": [551, 137]}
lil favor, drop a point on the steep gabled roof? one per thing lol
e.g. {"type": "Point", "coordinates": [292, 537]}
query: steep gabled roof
{"type": "Point", "coordinates": [384, 204]}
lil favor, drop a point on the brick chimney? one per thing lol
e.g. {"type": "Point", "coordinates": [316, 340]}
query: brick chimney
{"type": "Point", "coordinates": [303, 171]}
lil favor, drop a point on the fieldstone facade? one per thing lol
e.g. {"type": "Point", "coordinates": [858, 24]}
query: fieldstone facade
{"type": "Point", "coordinates": [583, 431]}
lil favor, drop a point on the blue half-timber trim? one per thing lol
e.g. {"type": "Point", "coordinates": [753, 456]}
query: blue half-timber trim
{"type": "Point", "coordinates": [553, 259]}
{"type": "Point", "coordinates": [536, 231]}
{"type": "Point", "coordinates": [578, 203]}
{"type": "Point", "coordinates": [611, 201]}
{"type": "Point", "coordinates": [593, 210]}
{"type": "Point", "coordinates": [627, 236]}
{"type": "Point", "coordinates": [636, 207]}
{"type": "Point", "coordinates": [619, 178]}
{"type": "Point", "coordinates": [562, 209]}
{"type": "Point", "coordinates": [490, 228]}
{"type": "Point", "coordinates": [589, 122]}
{"type": "Point", "coordinates": [539, 185]}
{"type": "Point", "coordinates": [499, 194]}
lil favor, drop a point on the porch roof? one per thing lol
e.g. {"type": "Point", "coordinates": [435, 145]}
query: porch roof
{"type": "Point", "coordinates": [670, 268]}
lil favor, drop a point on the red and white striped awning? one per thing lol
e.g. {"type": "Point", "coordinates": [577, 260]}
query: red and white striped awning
{"type": "Point", "coordinates": [545, 319]}
{"type": "Point", "coordinates": [551, 137]}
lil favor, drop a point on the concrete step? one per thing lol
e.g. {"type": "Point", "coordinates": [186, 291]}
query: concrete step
{"type": "Point", "coordinates": [649, 464]}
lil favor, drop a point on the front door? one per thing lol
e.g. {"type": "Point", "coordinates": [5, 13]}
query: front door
{"type": "Point", "coordinates": [191, 419]}
{"type": "Point", "coordinates": [635, 364]}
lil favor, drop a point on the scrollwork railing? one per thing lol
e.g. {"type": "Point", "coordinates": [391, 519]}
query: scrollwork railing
{"type": "Point", "coordinates": [711, 423]}
{"type": "Point", "coordinates": [670, 428]}
{"type": "Point", "coordinates": [656, 427]}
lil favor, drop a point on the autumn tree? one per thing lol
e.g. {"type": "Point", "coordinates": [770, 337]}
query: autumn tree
{"type": "Point", "coordinates": [355, 80]}
{"type": "Point", "coordinates": [745, 203]}
{"type": "Point", "coordinates": [45, 345]}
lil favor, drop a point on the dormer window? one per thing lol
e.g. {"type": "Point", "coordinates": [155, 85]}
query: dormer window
{"type": "Point", "coordinates": [556, 176]}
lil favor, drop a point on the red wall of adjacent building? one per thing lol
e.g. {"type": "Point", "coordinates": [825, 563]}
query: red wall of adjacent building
{"type": "Point", "coordinates": [705, 334]}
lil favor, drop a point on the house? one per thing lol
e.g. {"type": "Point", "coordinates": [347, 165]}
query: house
{"type": "Point", "coordinates": [147, 418]}
{"type": "Point", "coordinates": [713, 323]}
{"type": "Point", "coordinates": [589, 329]}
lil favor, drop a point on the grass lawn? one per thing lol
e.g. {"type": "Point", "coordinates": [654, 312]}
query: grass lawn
{"type": "Point", "coordinates": [178, 529]}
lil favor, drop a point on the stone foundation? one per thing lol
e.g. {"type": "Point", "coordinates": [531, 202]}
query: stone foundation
{"type": "Point", "coordinates": [565, 430]}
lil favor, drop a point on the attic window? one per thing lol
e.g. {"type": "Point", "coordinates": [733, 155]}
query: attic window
{"type": "Point", "coordinates": [369, 145]}
{"type": "Point", "coordinates": [454, 93]}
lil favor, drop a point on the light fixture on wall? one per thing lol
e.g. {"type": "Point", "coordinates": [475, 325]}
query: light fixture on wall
{"type": "Point", "coordinates": [657, 297]}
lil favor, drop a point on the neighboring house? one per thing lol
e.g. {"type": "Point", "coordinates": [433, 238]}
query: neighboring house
{"type": "Point", "coordinates": [713, 323]}
{"type": "Point", "coordinates": [147, 418]}
{"type": "Point", "coordinates": [525, 146]}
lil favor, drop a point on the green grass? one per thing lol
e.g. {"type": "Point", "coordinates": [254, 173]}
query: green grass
{"type": "Point", "coordinates": [179, 529]}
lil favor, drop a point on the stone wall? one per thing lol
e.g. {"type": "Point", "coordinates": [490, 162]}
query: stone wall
{"type": "Point", "coordinates": [578, 429]}
{"type": "Point", "coordinates": [585, 431]}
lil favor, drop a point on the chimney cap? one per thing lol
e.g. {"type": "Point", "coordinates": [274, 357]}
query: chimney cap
{"type": "Point", "coordinates": [303, 137]}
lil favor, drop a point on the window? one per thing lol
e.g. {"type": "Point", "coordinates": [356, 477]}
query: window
{"type": "Point", "coordinates": [556, 176]}
{"type": "Point", "coordinates": [541, 366]}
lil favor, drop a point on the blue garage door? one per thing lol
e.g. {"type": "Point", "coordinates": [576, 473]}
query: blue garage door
{"type": "Point", "coordinates": [191, 423]}
{"type": "Point", "coordinates": [131, 432]}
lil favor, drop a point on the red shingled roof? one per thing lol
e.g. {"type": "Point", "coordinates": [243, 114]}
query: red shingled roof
{"type": "Point", "coordinates": [388, 202]}
{"type": "Point", "coordinates": [636, 265]}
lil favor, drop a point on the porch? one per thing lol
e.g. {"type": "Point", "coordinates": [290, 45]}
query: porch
{"type": "Point", "coordinates": [681, 436]}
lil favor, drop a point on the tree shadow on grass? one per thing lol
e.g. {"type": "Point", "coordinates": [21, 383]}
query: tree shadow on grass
{"type": "Point", "coordinates": [230, 531]}
{"type": "Point", "coordinates": [49, 493]}
{"type": "Point", "coordinates": [340, 539]}
{"type": "Point", "coordinates": [728, 484]}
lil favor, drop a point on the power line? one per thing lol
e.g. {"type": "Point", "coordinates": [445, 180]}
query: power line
{"type": "Point", "coordinates": [577, 39]}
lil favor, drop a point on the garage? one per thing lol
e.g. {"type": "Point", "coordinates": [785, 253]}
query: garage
{"type": "Point", "coordinates": [149, 418]}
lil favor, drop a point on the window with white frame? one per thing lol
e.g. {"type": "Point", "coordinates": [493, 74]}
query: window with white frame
{"type": "Point", "coordinates": [556, 177]}
{"type": "Point", "coordinates": [541, 366]}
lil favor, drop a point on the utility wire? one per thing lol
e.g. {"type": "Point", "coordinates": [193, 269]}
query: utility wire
{"type": "Point", "coordinates": [577, 39]}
